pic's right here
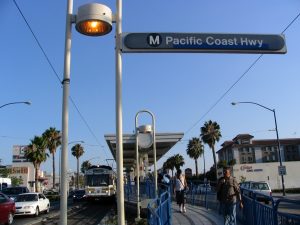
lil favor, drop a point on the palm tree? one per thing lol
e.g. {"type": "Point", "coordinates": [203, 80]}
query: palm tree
{"type": "Point", "coordinates": [85, 165]}
{"type": "Point", "coordinates": [53, 141]}
{"type": "Point", "coordinates": [36, 153]}
{"type": "Point", "coordinates": [194, 150]}
{"type": "Point", "coordinates": [210, 134]}
{"type": "Point", "coordinates": [169, 165]}
{"type": "Point", "coordinates": [177, 161]}
{"type": "Point", "coordinates": [77, 151]}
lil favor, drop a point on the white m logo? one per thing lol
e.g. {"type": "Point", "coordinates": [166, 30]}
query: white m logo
{"type": "Point", "coordinates": [154, 40]}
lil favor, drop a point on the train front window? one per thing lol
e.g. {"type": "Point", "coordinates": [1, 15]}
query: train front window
{"type": "Point", "coordinates": [97, 180]}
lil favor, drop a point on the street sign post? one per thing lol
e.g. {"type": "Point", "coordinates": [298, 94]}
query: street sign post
{"type": "Point", "coordinates": [203, 42]}
{"type": "Point", "coordinates": [281, 170]}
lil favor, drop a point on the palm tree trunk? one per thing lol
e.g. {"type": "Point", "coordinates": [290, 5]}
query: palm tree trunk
{"type": "Point", "coordinates": [36, 178]}
{"type": "Point", "coordinates": [215, 161]}
{"type": "Point", "coordinates": [53, 169]}
{"type": "Point", "coordinates": [77, 173]}
{"type": "Point", "coordinates": [196, 166]}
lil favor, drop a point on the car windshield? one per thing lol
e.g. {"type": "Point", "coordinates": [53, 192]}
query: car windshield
{"type": "Point", "coordinates": [12, 191]}
{"type": "Point", "coordinates": [27, 198]}
{"type": "Point", "coordinates": [260, 186]}
{"type": "Point", "coordinates": [80, 192]}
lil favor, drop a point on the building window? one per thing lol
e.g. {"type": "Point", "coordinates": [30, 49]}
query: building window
{"type": "Point", "coordinates": [291, 153]}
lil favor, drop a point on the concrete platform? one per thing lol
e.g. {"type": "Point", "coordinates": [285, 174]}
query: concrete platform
{"type": "Point", "coordinates": [195, 215]}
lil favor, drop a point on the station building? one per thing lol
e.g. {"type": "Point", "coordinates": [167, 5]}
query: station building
{"type": "Point", "coordinates": [258, 160]}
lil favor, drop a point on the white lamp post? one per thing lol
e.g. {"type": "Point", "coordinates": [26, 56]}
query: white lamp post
{"type": "Point", "coordinates": [144, 137]}
{"type": "Point", "coordinates": [278, 142]}
{"type": "Point", "coordinates": [93, 20]}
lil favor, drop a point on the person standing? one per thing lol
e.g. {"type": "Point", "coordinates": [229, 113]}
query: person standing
{"type": "Point", "coordinates": [228, 193]}
{"type": "Point", "coordinates": [180, 187]}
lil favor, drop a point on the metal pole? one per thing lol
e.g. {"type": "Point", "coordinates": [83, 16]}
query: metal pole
{"type": "Point", "coordinates": [65, 117]}
{"type": "Point", "coordinates": [278, 142]}
{"type": "Point", "coordinates": [154, 154]}
{"type": "Point", "coordinates": [138, 213]}
{"type": "Point", "coordinates": [119, 129]}
{"type": "Point", "coordinates": [279, 152]}
{"type": "Point", "coordinates": [154, 147]}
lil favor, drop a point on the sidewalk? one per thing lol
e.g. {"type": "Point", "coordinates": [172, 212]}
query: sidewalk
{"type": "Point", "coordinates": [195, 215]}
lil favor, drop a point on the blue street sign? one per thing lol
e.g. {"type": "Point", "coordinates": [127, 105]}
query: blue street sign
{"type": "Point", "coordinates": [204, 42]}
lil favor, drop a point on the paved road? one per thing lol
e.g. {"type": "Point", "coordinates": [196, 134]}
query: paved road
{"type": "Point", "coordinates": [288, 207]}
{"type": "Point", "coordinates": [97, 213]}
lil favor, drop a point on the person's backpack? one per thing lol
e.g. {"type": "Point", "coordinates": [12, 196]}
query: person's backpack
{"type": "Point", "coordinates": [166, 179]}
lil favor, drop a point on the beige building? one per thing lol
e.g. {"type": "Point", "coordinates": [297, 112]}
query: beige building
{"type": "Point", "coordinates": [258, 160]}
{"type": "Point", "coordinates": [24, 169]}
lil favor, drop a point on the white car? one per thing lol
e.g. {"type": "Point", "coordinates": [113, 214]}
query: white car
{"type": "Point", "coordinates": [32, 204]}
{"type": "Point", "coordinates": [261, 188]}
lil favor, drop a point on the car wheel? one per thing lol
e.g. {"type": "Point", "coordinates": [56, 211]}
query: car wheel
{"type": "Point", "coordinates": [48, 209]}
{"type": "Point", "coordinates": [37, 211]}
{"type": "Point", "coordinates": [10, 219]}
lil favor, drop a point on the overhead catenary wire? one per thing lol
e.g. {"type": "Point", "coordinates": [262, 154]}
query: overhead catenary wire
{"type": "Point", "coordinates": [56, 74]}
{"type": "Point", "coordinates": [236, 82]}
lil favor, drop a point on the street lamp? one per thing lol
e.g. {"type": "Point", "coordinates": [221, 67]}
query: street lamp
{"type": "Point", "coordinates": [93, 20]}
{"type": "Point", "coordinates": [144, 137]}
{"type": "Point", "coordinates": [278, 142]}
{"type": "Point", "coordinates": [11, 103]}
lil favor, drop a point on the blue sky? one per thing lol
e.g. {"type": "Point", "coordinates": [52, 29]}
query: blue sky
{"type": "Point", "coordinates": [179, 88]}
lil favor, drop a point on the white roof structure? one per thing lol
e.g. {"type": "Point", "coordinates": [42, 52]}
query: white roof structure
{"type": "Point", "coordinates": [164, 142]}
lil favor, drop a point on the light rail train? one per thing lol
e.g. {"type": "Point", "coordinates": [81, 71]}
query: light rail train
{"type": "Point", "coordinates": [100, 182]}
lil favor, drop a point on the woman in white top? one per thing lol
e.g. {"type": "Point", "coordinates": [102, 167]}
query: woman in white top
{"type": "Point", "coordinates": [180, 186]}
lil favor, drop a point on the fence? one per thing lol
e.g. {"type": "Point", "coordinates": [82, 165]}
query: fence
{"type": "Point", "coordinates": [159, 210]}
{"type": "Point", "coordinates": [256, 212]}
{"type": "Point", "coordinates": [253, 213]}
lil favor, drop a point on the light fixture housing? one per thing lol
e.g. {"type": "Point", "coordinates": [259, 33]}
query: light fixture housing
{"type": "Point", "coordinates": [94, 19]}
{"type": "Point", "coordinates": [145, 138]}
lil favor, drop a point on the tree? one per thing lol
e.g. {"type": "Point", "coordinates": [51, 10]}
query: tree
{"type": "Point", "coordinates": [222, 164]}
{"type": "Point", "coordinates": [194, 150]}
{"type": "Point", "coordinates": [4, 172]}
{"type": "Point", "coordinates": [210, 134]}
{"type": "Point", "coordinates": [77, 151]}
{"type": "Point", "coordinates": [16, 181]}
{"type": "Point", "coordinates": [169, 165]}
{"type": "Point", "coordinates": [36, 153]}
{"type": "Point", "coordinates": [53, 141]}
{"type": "Point", "coordinates": [177, 160]}
{"type": "Point", "coordinates": [85, 165]}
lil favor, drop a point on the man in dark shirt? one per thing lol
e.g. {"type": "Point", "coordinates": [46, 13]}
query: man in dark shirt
{"type": "Point", "coordinates": [228, 193]}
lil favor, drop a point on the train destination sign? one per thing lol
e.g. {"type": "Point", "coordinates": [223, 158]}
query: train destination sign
{"type": "Point", "coordinates": [204, 42]}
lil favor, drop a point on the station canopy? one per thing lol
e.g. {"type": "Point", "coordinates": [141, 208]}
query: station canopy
{"type": "Point", "coordinates": [164, 142]}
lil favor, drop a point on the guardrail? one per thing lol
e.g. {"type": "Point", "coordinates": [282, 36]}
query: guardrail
{"type": "Point", "coordinates": [258, 211]}
{"type": "Point", "coordinates": [159, 210]}
{"type": "Point", "coordinates": [254, 212]}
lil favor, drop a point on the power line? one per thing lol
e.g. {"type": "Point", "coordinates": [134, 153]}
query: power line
{"type": "Point", "coordinates": [55, 73]}
{"type": "Point", "coordinates": [236, 82]}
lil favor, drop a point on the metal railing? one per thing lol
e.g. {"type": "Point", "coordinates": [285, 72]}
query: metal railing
{"type": "Point", "coordinates": [159, 210]}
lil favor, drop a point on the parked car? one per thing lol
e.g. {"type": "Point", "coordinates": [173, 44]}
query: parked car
{"type": "Point", "coordinates": [78, 195]}
{"type": "Point", "coordinates": [52, 195]}
{"type": "Point", "coordinates": [32, 204]}
{"type": "Point", "coordinates": [13, 192]}
{"type": "Point", "coordinates": [7, 209]}
{"type": "Point", "coordinates": [261, 188]}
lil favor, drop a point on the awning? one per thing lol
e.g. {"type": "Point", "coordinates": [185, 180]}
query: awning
{"type": "Point", "coordinates": [164, 142]}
